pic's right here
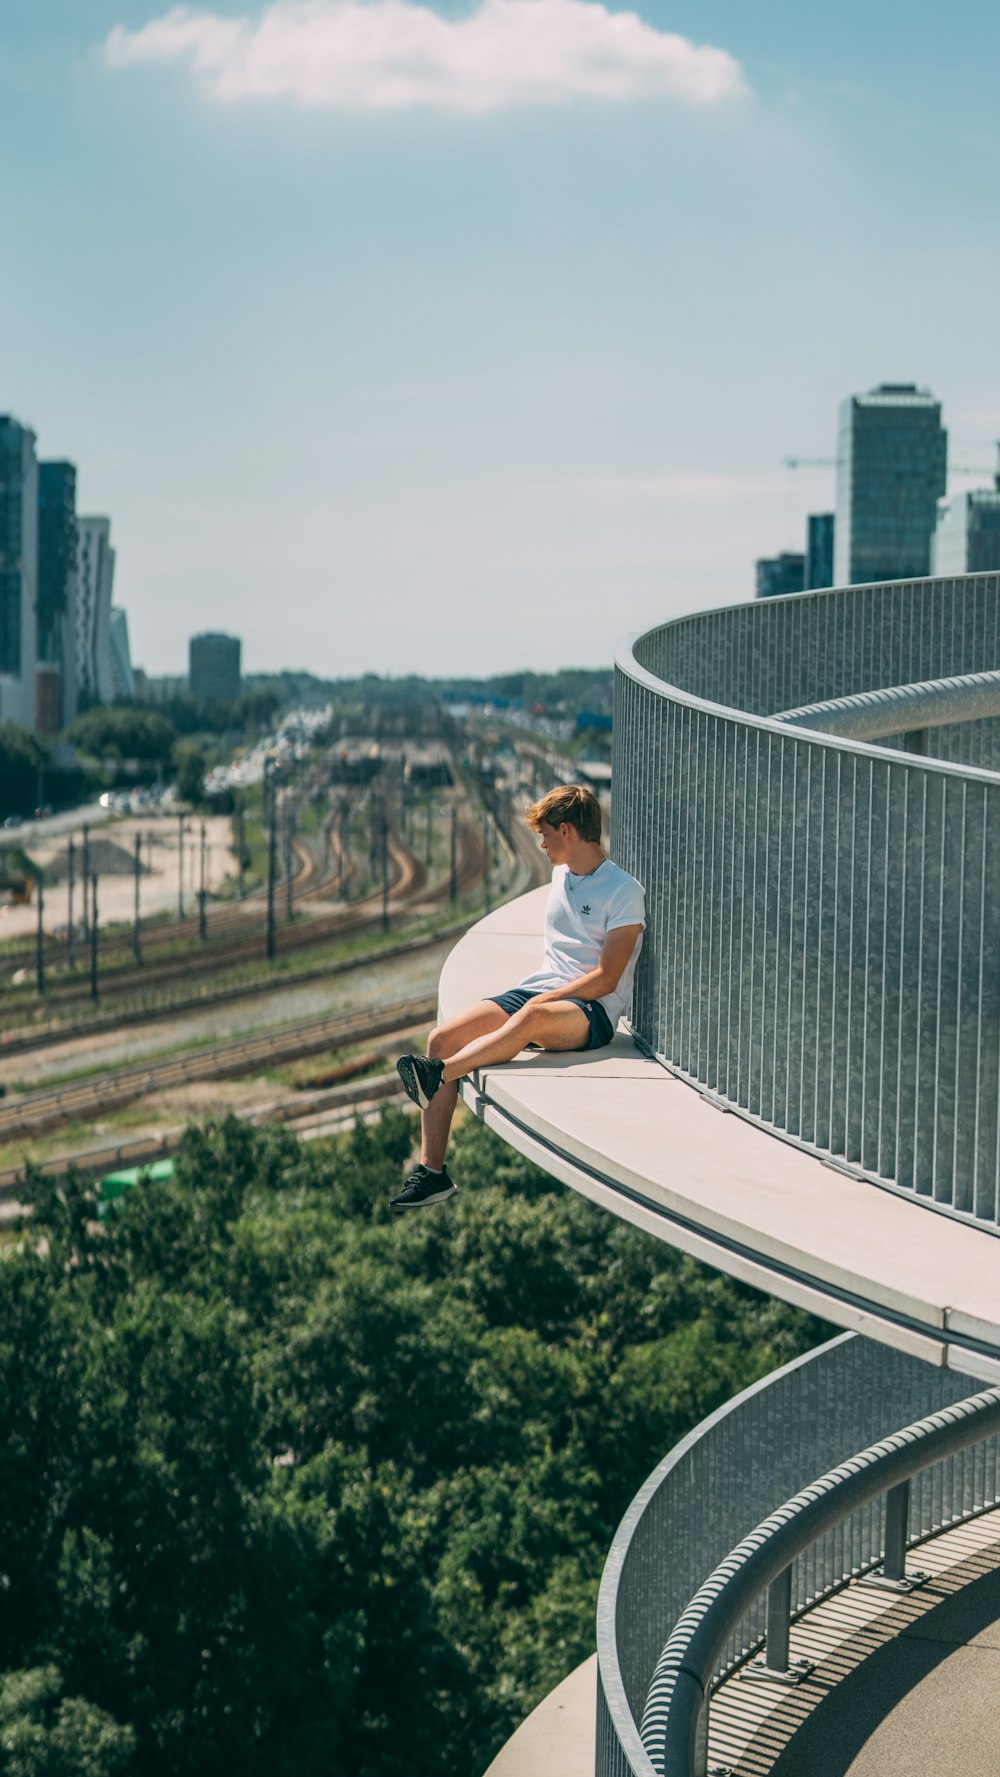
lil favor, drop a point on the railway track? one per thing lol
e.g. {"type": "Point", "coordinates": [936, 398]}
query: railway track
{"type": "Point", "coordinates": [312, 1114]}
{"type": "Point", "coordinates": [52, 1107]}
{"type": "Point", "coordinates": [224, 917]}
{"type": "Point", "coordinates": [24, 1042]}
{"type": "Point", "coordinates": [407, 883]}
{"type": "Point", "coordinates": [33, 1037]}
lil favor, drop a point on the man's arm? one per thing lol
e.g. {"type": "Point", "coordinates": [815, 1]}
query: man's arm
{"type": "Point", "coordinates": [615, 952]}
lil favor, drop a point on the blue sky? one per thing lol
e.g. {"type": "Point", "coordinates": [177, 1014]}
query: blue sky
{"type": "Point", "coordinates": [389, 343]}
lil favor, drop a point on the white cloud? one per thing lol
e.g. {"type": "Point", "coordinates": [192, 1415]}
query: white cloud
{"type": "Point", "coordinates": [391, 55]}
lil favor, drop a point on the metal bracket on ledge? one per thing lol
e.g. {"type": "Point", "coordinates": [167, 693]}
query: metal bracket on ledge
{"type": "Point", "coordinates": [793, 1673]}
{"type": "Point", "coordinates": [878, 1581]}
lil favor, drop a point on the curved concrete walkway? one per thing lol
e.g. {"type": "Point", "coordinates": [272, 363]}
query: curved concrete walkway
{"type": "Point", "coordinates": [620, 1128]}
{"type": "Point", "coordinates": [559, 1737]}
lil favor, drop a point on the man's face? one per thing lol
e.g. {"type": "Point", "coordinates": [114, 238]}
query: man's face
{"type": "Point", "coordinates": [555, 841]}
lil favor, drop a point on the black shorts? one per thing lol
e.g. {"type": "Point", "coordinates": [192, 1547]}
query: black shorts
{"type": "Point", "coordinates": [601, 1027]}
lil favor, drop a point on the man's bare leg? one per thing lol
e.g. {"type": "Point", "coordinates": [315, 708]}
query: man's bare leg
{"type": "Point", "coordinates": [557, 1024]}
{"type": "Point", "coordinates": [443, 1041]}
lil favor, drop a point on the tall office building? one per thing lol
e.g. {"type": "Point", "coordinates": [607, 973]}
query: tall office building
{"type": "Point", "coordinates": [122, 679]}
{"type": "Point", "coordinates": [56, 611]}
{"type": "Point", "coordinates": [820, 528]}
{"type": "Point", "coordinates": [779, 573]}
{"type": "Point", "coordinates": [892, 453]}
{"type": "Point", "coordinates": [95, 574]}
{"type": "Point", "coordinates": [18, 571]}
{"type": "Point", "coordinates": [214, 666]}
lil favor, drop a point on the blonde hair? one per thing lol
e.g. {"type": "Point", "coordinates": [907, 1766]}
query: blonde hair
{"type": "Point", "coordinates": [569, 803]}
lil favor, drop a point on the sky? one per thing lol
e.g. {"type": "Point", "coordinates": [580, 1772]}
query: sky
{"type": "Point", "coordinates": [467, 339]}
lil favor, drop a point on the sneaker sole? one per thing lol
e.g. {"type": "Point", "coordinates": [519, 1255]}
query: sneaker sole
{"type": "Point", "coordinates": [425, 1202]}
{"type": "Point", "coordinates": [411, 1084]}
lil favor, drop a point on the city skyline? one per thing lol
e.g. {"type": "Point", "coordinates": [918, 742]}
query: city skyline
{"type": "Point", "coordinates": [431, 374]}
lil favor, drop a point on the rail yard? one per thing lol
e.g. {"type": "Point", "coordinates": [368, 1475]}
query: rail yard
{"type": "Point", "coordinates": [112, 1038]}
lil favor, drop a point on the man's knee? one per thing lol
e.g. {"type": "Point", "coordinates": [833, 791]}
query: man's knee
{"type": "Point", "coordinates": [435, 1044]}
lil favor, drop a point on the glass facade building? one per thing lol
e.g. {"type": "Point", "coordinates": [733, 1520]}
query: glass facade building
{"type": "Point", "coordinates": [819, 550]}
{"type": "Point", "coordinates": [780, 573]}
{"type": "Point", "coordinates": [95, 574]}
{"type": "Point", "coordinates": [57, 552]}
{"type": "Point", "coordinates": [57, 544]}
{"type": "Point", "coordinates": [892, 453]}
{"type": "Point", "coordinates": [18, 570]}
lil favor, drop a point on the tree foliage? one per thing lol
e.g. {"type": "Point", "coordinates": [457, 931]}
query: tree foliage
{"type": "Point", "coordinates": [124, 731]}
{"type": "Point", "coordinates": [21, 755]}
{"type": "Point", "coordinates": [292, 1484]}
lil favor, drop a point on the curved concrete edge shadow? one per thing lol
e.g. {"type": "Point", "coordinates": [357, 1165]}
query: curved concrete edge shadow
{"type": "Point", "coordinates": [627, 1134]}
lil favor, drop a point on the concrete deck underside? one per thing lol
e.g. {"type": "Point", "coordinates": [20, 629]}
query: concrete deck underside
{"type": "Point", "coordinates": [626, 1133]}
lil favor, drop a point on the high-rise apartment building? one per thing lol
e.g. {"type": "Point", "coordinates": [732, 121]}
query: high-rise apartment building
{"type": "Point", "coordinates": [122, 679]}
{"type": "Point", "coordinates": [56, 610]}
{"type": "Point", "coordinates": [892, 453]}
{"type": "Point", "coordinates": [779, 573]}
{"type": "Point", "coordinates": [95, 574]}
{"type": "Point", "coordinates": [214, 666]}
{"type": "Point", "coordinates": [819, 550]}
{"type": "Point", "coordinates": [18, 571]}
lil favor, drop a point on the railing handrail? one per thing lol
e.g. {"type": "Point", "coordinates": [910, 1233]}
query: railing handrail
{"type": "Point", "coordinates": [899, 709]}
{"type": "Point", "coordinates": [684, 1671]}
{"type": "Point", "coordinates": [782, 720]}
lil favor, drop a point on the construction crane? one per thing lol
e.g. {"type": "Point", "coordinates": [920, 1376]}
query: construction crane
{"type": "Point", "coordinates": [833, 463]}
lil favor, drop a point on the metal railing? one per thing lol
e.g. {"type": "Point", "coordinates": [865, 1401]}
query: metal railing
{"type": "Point", "coordinates": [664, 1632]}
{"type": "Point", "coordinates": [824, 928]}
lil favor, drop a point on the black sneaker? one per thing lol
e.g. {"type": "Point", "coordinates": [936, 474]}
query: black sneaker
{"type": "Point", "coordinates": [423, 1188]}
{"type": "Point", "coordinates": [421, 1077]}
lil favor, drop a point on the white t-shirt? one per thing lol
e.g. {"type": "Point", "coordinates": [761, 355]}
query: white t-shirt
{"type": "Point", "coordinates": [582, 910]}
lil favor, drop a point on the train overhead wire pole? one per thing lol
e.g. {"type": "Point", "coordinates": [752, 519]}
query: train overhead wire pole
{"type": "Point", "coordinates": [86, 875]}
{"type": "Point", "coordinates": [270, 815]}
{"type": "Point", "coordinates": [40, 937]}
{"type": "Point", "coordinates": [94, 991]}
{"type": "Point", "coordinates": [70, 885]}
{"type": "Point", "coordinates": [202, 928]}
{"type": "Point", "coordinates": [136, 930]}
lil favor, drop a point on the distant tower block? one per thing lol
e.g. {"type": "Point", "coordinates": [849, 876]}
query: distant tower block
{"type": "Point", "coordinates": [214, 666]}
{"type": "Point", "coordinates": [819, 550]}
{"type": "Point", "coordinates": [892, 456]}
{"type": "Point", "coordinates": [780, 573]}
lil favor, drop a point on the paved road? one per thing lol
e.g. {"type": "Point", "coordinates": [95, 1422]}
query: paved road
{"type": "Point", "coordinates": [161, 856]}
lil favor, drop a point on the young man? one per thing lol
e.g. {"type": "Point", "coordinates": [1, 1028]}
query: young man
{"type": "Point", "coordinates": [593, 934]}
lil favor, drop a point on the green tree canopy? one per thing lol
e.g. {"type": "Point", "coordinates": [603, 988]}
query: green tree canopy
{"type": "Point", "coordinates": [295, 1486]}
{"type": "Point", "coordinates": [124, 731]}
{"type": "Point", "coordinates": [21, 756]}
